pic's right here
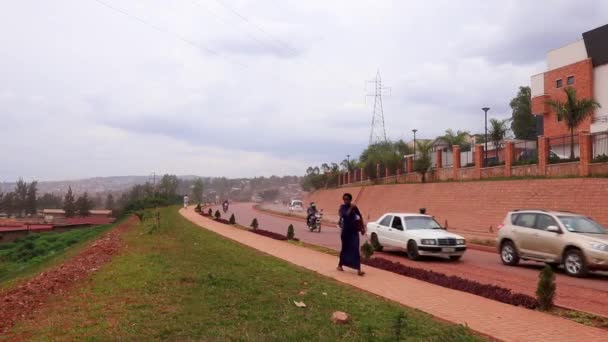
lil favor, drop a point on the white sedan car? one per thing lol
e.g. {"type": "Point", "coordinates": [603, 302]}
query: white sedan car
{"type": "Point", "coordinates": [418, 235]}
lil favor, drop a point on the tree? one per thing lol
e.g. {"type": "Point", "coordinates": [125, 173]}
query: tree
{"type": "Point", "coordinates": [48, 201]}
{"type": "Point", "coordinates": [110, 205]}
{"type": "Point", "coordinates": [20, 197]}
{"type": "Point", "coordinates": [31, 198]}
{"type": "Point", "coordinates": [8, 204]}
{"type": "Point", "coordinates": [349, 165]}
{"type": "Point", "coordinates": [574, 111]}
{"type": "Point", "coordinates": [523, 123]}
{"type": "Point", "coordinates": [402, 147]}
{"type": "Point", "coordinates": [197, 190]}
{"type": "Point", "coordinates": [423, 163]}
{"type": "Point", "coordinates": [452, 138]}
{"type": "Point", "coordinates": [545, 292]}
{"type": "Point", "coordinates": [84, 205]}
{"type": "Point", "coordinates": [498, 133]}
{"type": "Point", "coordinates": [384, 154]}
{"type": "Point", "coordinates": [168, 187]}
{"type": "Point", "coordinates": [69, 206]}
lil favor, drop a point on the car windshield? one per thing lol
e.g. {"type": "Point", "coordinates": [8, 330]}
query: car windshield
{"type": "Point", "coordinates": [421, 222]}
{"type": "Point", "coordinates": [580, 224]}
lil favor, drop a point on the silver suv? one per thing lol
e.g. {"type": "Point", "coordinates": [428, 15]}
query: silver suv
{"type": "Point", "coordinates": [554, 237]}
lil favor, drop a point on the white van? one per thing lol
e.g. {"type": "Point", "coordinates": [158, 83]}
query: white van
{"type": "Point", "coordinates": [296, 205]}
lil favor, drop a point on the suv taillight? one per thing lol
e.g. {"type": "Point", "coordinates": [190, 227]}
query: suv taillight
{"type": "Point", "coordinates": [500, 226]}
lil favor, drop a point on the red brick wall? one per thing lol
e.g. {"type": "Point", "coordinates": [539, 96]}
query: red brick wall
{"type": "Point", "coordinates": [477, 205]}
{"type": "Point", "coordinates": [539, 105]}
{"type": "Point", "coordinates": [583, 83]}
{"type": "Point", "coordinates": [493, 172]}
{"type": "Point", "coordinates": [600, 169]}
{"type": "Point", "coordinates": [563, 169]}
{"type": "Point", "coordinates": [525, 170]}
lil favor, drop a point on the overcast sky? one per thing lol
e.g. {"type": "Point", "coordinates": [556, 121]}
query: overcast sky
{"type": "Point", "coordinates": [252, 88]}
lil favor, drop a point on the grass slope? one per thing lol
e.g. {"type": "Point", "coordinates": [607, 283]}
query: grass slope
{"type": "Point", "coordinates": [181, 282]}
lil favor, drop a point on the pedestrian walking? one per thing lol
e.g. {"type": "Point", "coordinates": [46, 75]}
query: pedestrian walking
{"type": "Point", "coordinates": [352, 225]}
{"type": "Point", "coordinates": [186, 200]}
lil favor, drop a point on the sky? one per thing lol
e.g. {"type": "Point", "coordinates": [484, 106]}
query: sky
{"type": "Point", "coordinates": [255, 88]}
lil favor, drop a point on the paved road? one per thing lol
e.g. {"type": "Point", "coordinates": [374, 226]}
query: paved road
{"type": "Point", "coordinates": [590, 294]}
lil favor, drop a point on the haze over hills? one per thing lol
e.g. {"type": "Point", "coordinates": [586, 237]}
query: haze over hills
{"type": "Point", "coordinates": [239, 189]}
{"type": "Point", "coordinates": [92, 185]}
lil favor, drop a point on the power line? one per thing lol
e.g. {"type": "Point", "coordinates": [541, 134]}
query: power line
{"type": "Point", "coordinates": [162, 30]}
{"type": "Point", "coordinates": [219, 19]}
{"type": "Point", "coordinates": [271, 37]}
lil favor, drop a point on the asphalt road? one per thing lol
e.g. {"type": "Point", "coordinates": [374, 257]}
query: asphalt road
{"type": "Point", "coordinates": [588, 294]}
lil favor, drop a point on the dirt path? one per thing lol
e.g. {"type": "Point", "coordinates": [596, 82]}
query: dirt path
{"type": "Point", "coordinates": [24, 300]}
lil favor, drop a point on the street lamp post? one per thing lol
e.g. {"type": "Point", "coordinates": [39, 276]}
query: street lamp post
{"type": "Point", "coordinates": [414, 130]}
{"type": "Point", "coordinates": [348, 164]}
{"type": "Point", "coordinates": [485, 150]}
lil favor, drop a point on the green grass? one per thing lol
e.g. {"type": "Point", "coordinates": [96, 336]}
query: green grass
{"type": "Point", "coordinates": [36, 251]}
{"type": "Point", "coordinates": [182, 282]}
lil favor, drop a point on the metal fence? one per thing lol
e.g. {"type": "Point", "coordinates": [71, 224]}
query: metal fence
{"type": "Point", "coordinates": [447, 159]}
{"type": "Point", "coordinates": [494, 156]}
{"type": "Point", "coordinates": [467, 159]}
{"type": "Point", "coordinates": [563, 149]}
{"type": "Point", "coordinates": [525, 152]}
{"type": "Point", "coordinates": [600, 147]}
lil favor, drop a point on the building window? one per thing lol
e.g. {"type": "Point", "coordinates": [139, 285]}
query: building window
{"type": "Point", "coordinates": [558, 83]}
{"type": "Point", "coordinates": [570, 80]}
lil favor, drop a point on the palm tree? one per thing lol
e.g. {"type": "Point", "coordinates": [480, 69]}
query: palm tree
{"type": "Point", "coordinates": [423, 163]}
{"type": "Point", "coordinates": [498, 133]}
{"type": "Point", "coordinates": [349, 165]}
{"type": "Point", "coordinates": [573, 112]}
{"type": "Point", "coordinates": [452, 138]}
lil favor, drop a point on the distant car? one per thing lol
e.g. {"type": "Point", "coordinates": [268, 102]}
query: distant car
{"type": "Point", "coordinates": [528, 154]}
{"type": "Point", "coordinates": [555, 238]}
{"type": "Point", "coordinates": [417, 234]}
{"type": "Point", "coordinates": [296, 205]}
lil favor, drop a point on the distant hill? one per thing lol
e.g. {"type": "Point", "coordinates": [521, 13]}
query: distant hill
{"type": "Point", "coordinates": [91, 185]}
{"type": "Point", "coordinates": [239, 189]}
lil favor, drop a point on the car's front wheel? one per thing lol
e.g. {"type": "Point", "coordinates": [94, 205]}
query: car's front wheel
{"type": "Point", "coordinates": [575, 264]}
{"type": "Point", "coordinates": [455, 257]}
{"type": "Point", "coordinates": [508, 254]}
{"type": "Point", "coordinates": [376, 243]}
{"type": "Point", "coordinates": [412, 250]}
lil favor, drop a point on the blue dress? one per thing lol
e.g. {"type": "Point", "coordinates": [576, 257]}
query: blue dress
{"type": "Point", "coordinates": [349, 254]}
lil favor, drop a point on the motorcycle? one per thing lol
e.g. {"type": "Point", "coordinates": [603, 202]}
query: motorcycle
{"type": "Point", "coordinates": [315, 222]}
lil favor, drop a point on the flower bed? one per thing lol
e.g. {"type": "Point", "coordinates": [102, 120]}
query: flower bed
{"type": "Point", "coordinates": [493, 292]}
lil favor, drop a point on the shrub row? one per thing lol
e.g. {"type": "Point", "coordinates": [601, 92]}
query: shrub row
{"type": "Point", "coordinates": [493, 292]}
{"type": "Point", "coordinates": [262, 232]}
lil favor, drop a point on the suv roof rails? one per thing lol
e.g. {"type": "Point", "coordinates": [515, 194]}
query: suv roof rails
{"type": "Point", "coordinates": [516, 210]}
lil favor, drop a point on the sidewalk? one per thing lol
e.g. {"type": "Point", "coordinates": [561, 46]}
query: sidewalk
{"type": "Point", "coordinates": [501, 321]}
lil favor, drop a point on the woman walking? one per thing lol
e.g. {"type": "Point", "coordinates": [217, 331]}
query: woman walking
{"type": "Point", "coordinates": [351, 223]}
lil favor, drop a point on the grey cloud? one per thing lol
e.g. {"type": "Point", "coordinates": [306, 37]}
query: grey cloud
{"type": "Point", "coordinates": [267, 47]}
{"type": "Point", "coordinates": [531, 28]}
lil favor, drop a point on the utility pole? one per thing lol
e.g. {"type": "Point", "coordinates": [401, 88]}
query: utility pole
{"type": "Point", "coordinates": [485, 150]}
{"type": "Point", "coordinates": [378, 131]}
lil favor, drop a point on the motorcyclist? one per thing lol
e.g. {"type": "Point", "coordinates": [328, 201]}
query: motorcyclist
{"type": "Point", "coordinates": [225, 205]}
{"type": "Point", "coordinates": [311, 211]}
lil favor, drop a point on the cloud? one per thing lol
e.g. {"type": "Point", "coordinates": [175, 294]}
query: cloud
{"type": "Point", "coordinates": [88, 91]}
